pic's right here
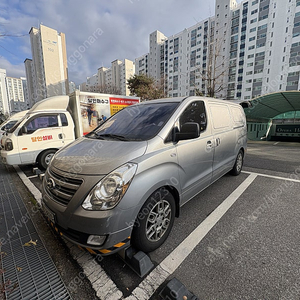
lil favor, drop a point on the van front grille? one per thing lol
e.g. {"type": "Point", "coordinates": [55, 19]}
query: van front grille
{"type": "Point", "coordinates": [60, 188]}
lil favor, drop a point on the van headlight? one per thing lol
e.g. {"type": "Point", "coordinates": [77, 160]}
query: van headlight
{"type": "Point", "coordinates": [108, 192]}
{"type": "Point", "coordinates": [8, 145]}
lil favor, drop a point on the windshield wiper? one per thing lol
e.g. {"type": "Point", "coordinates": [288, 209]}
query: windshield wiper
{"type": "Point", "coordinates": [113, 136]}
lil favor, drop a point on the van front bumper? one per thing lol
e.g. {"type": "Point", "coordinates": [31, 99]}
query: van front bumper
{"type": "Point", "coordinates": [80, 239]}
{"type": "Point", "coordinates": [78, 226]}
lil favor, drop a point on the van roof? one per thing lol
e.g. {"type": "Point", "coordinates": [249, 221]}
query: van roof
{"type": "Point", "coordinates": [181, 99]}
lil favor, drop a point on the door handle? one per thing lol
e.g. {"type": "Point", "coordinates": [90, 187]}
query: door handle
{"type": "Point", "coordinates": [60, 136]}
{"type": "Point", "coordinates": [218, 141]}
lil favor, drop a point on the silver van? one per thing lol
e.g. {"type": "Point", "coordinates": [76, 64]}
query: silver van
{"type": "Point", "coordinates": [125, 181]}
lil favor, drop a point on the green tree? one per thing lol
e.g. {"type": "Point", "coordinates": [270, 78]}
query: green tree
{"type": "Point", "coordinates": [145, 87]}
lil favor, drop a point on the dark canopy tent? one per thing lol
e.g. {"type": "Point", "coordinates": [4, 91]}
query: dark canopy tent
{"type": "Point", "coordinates": [270, 105]}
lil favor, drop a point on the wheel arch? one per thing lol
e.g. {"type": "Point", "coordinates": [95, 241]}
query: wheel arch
{"type": "Point", "coordinates": [175, 194]}
{"type": "Point", "coordinates": [43, 151]}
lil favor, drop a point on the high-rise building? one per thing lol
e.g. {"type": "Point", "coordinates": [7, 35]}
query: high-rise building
{"type": "Point", "coordinates": [47, 72]}
{"type": "Point", "coordinates": [141, 65]}
{"type": "Point", "coordinates": [126, 70]}
{"type": "Point", "coordinates": [25, 90]}
{"type": "Point", "coordinates": [111, 80]}
{"type": "Point", "coordinates": [31, 81]}
{"type": "Point", "coordinates": [15, 94]}
{"type": "Point", "coordinates": [246, 50]}
{"type": "Point", "coordinates": [4, 104]}
{"type": "Point", "coordinates": [11, 94]}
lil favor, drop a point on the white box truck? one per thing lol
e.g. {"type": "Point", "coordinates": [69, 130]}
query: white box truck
{"type": "Point", "coordinates": [55, 122]}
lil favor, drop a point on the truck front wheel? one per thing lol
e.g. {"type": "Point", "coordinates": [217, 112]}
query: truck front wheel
{"type": "Point", "coordinates": [154, 221]}
{"type": "Point", "coordinates": [45, 158]}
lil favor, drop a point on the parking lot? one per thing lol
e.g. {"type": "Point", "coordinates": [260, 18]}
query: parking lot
{"type": "Point", "coordinates": [238, 239]}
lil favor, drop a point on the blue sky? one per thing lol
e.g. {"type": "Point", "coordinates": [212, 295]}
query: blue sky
{"type": "Point", "coordinates": [125, 26]}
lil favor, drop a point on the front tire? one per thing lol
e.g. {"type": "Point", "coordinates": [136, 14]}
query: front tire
{"type": "Point", "coordinates": [238, 165]}
{"type": "Point", "coordinates": [45, 158]}
{"type": "Point", "coordinates": [154, 221]}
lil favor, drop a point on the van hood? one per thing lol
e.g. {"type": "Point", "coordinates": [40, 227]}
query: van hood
{"type": "Point", "coordinates": [96, 157]}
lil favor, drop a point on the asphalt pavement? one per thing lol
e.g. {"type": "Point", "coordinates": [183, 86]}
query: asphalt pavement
{"type": "Point", "coordinates": [238, 239]}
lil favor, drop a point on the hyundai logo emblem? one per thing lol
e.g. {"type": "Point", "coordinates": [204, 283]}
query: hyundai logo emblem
{"type": "Point", "coordinates": [50, 183]}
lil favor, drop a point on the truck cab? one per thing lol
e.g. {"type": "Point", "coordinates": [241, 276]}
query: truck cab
{"type": "Point", "coordinates": [10, 122]}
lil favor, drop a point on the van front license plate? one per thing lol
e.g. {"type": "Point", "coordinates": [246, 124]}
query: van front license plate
{"type": "Point", "coordinates": [48, 213]}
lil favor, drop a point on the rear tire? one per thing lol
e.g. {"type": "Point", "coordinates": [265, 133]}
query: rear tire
{"type": "Point", "coordinates": [45, 158]}
{"type": "Point", "coordinates": [238, 165]}
{"type": "Point", "coordinates": [154, 221]}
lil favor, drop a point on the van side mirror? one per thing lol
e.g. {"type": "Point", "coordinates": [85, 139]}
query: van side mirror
{"type": "Point", "coordinates": [190, 130]}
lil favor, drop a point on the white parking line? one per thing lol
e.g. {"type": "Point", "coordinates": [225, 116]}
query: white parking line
{"type": "Point", "coordinates": [150, 284]}
{"type": "Point", "coordinates": [31, 187]}
{"type": "Point", "coordinates": [274, 177]}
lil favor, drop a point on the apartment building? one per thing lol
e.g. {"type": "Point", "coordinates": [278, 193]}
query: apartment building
{"type": "Point", "coordinates": [126, 70]}
{"type": "Point", "coordinates": [246, 50]}
{"type": "Point", "coordinates": [4, 104]}
{"type": "Point", "coordinates": [141, 65]}
{"type": "Point", "coordinates": [111, 80]}
{"type": "Point", "coordinates": [12, 97]}
{"type": "Point", "coordinates": [15, 94]}
{"type": "Point", "coordinates": [47, 72]}
{"type": "Point", "coordinates": [264, 47]}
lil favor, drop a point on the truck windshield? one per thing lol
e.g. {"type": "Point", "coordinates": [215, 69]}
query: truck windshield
{"type": "Point", "coordinates": [15, 126]}
{"type": "Point", "coordinates": [9, 125]}
{"type": "Point", "coordinates": [136, 122]}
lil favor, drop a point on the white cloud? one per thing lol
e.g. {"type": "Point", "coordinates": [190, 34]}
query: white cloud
{"type": "Point", "coordinates": [16, 71]}
{"type": "Point", "coordinates": [126, 26]}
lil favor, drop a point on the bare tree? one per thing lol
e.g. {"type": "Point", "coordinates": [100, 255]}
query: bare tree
{"type": "Point", "coordinates": [214, 72]}
{"type": "Point", "coordinates": [214, 68]}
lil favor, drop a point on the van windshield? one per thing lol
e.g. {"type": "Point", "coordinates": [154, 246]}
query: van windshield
{"type": "Point", "coordinates": [136, 122]}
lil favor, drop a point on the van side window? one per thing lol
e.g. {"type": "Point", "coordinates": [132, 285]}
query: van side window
{"type": "Point", "coordinates": [220, 116]}
{"type": "Point", "coordinates": [64, 120]}
{"type": "Point", "coordinates": [41, 122]}
{"type": "Point", "coordinates": [238, 117]}
{"type": "Point", "coordinates": [195, 112]}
